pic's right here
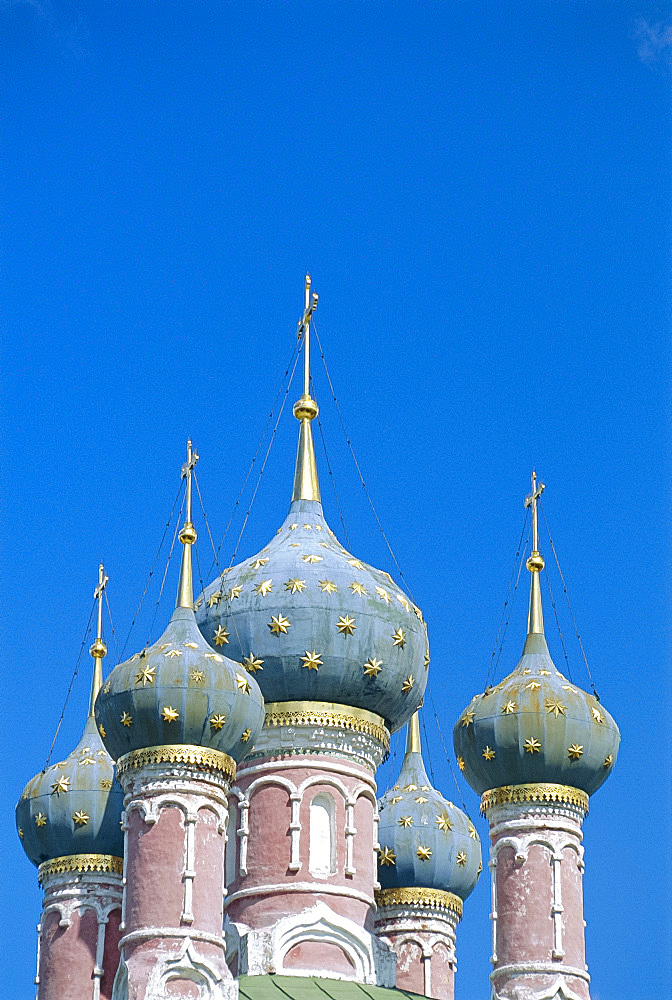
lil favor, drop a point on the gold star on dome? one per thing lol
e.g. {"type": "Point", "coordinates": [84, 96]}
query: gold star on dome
{"type": "Point", "coordinates": [426, 660]}
{"type": "Point", "coordinates": [126, 719]}
{"type": "Point", "coordinates": [318, 527]}
{"type": "Point", "coordinates": [258, 563]}
{"type": "Point", "coordinates": [242, 683]}
{"type": "Point", "coordinates": [61, 784]}
{"type": "Point", "coordinates": [101, 730]}
{"type": "Point", "coordinates": [357, 588]}
{"type": "Point", "coordinates": [399, 638]}
{"type": "Point", "coordinates": [312, 558]}
{"type": "Point", "coordinates": [417, 612]}
{"type": "Point", "coordinates": [215, 598]}
{"type": "Point", "coordinates": [80, 817]}
{"type": "Point", "coordinates": [383, 594]}
{"type": "Point", "coordinates": [197, 603]}
{"type": "Point", "coordinates": [308, 527]}
{"type": "Point", "coordinates": [101, 753]}
{"type": "Point", "coordinates": [106, 687]}
{"type": "Point", "coordinates": [325, 545]}
{"type": "Point", "coordinates": [527, 670]}
{"type": "Point", "coordinates": [197, 676]}
{"type": "Point", "coordinates": [190, 645]}
{"type": "Point", "coordinates": [575, 751]}
{"type": "Point", "coordinates": [245, 735]}
{"type": "Point", "coordinates": [311, 661]}
{"type": "Point", "coordinates": [279, 624]}
{"type": "Point", "coordinates": [221, 636]}
{"type": "Point", "coordinates": [387, 857]}
{"type": "Point", "coordinates": [356, 563]}
{"type": "Point", "coordinates": [40, 819]}
{"type": "Point", "coordinates": [444, 822]}
{"type": "Point", "coordinates": [405, 821]}
{"type": "Point", "coordinates": [372, 667]}
{"type": "Point", "coordinates": [532, 745]}
{"type": "Point", "coordinates": [597, 716]}
{"type": "Point", "coordinates": [20, 832]}
{"type": "Point", "coordinates": [235, 592]}
{"type": "Point", "coordinates": [467, 718]}
{"type": "Point", "coordinates": [404, 603]}
{"type": "Point", "coordinates": [293, 527]}
{"type": "Point", "coordinates": [472, 832]}
{"type": "Point", "coordinates": [509, 708]}
{"type": "Point", "coordinates": [295, 586]}
{"type": "Point", "coordinates": [327, 586]}
{"type": "Point", "coordinates": [172, 653]}
{"type": "Point", "coordinates": [555, 707]}
{"type": "Point", "coordinates": [213, 656]}
{"type": "Point", "coordinates": [86, 760]}
{"type": "Point", "coordinates": [608, 760]}
{"type": "Point", "coordinates": [395, 798]}
{"type": "Point", "coordinates": [145, 676]}
{"type": "Point", "coordinates": [410, 788]}
{"type": "Point", "coordinates": [461, 858]}
{"type": "Point", "coordinates": [533, 686]}
{"type": "Point", "coordinates": [568, 687]}
{"type": "Point", "coordinates": [263, 588]}
{"type": "Point", "coordinates": [105, 784]}
{"type": "Point", "coordinates": [164, 645]}
{"type": "Point", "coordinates": [488, 753]}
{"type": "Point", "coordinates": [423, 853]}
{"type": "Point", "coordinates": [407, 684]}
{"type": "Point", "coordinates": [544, 673]}
{"type": "Point", "coordinates": [169, 714]}
{"type": "Point", "coordinates": [346, 625]}
{"type": "Point", "coordinates": [460, 763]}
{"type": "Point", "coordinates": [217, 720]}
{"type": "Point", "coordinates": [294, 545]}
{"type": "Point", "coordinates": [252, 663]}
{"type": "Point", "coordinates": [420, 799]}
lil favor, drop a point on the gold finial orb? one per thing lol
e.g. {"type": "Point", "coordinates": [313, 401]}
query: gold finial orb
{"type": "Point", "coordinates": [188, 534]}
{"type": "Point", "coordinates": [535, 562]}
{"type": "Point", "coordinates": [305, 408]}
{"type": "Point", "coordinates": [98, 650]}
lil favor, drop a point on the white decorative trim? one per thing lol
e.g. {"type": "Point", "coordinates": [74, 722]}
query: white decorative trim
{"type": "Point", "coordinates": [213, 983]}
{"type": "Point", "coordinates": [324, 765]}
{"type": "Point", "coordinates": [147, 933]}
{"type": "Point", "coordinates": [540, 968]}
{"type": "Point", "coordinates": [492, 865]}
{"type": "Point", "coordinates": [264, 951]}
{"type": "Point", "coordinates": [313, 887]}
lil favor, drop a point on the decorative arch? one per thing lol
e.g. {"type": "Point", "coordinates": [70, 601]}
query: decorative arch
{"type": "Point", "coordinates": [322, 854]}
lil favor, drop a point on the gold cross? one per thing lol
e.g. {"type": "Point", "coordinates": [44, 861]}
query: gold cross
{"type": "Point", "coordinates": [303, 327]}
{"type": "Point", "coordinates": [531, 501]}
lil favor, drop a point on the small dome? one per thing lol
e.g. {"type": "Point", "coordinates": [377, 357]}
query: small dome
{"type": "Point", "coordinates": [425, 841]}
{"type": "Point", "coordinates": [74, 806]}
{"type": "Point", "coordinates": [535, 726]}
{"type": "Point", "coordinates": [314, 623]}
{"type": "Point", "coordinates": [180, 691]}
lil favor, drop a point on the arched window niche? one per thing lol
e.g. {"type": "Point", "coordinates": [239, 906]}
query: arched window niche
{"type": "Point", "coordinates": [322, 856]}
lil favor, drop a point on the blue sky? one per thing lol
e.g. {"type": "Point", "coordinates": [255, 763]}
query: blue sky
{"type": "Point", "coordinates": [482, 195]}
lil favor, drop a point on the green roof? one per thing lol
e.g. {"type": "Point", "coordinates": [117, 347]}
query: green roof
{"type": "Point", "coordinates": [314, 988]}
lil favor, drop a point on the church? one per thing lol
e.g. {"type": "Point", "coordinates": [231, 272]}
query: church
{"type": "Point", "coordinates": [218, 830]}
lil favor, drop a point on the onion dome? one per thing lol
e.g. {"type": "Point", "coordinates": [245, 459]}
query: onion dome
{"type": "Point", "coordinates": [425, 841]}
{"type": "Point", "coordinates": [74, 806]}
{"type": "Point", "coordinates": [180, 690]}
{"type": "Point", "coordinates": [535, 726]}
{"type": "Point", "coordinates": [311, 621]}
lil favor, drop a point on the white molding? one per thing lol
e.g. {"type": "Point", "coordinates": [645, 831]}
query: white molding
{"type": "Point", "coordinates": [147, 933]}
{"type": "Point", "coordinates": [540, 968]}
{"type": "Point", "coordinates": [306, 765]}
{"type": "Point", "coordinates": [280, 888]}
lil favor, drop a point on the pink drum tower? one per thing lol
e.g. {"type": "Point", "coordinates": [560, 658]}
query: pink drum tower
{"type": "Point", "coordinates": [535, 747]}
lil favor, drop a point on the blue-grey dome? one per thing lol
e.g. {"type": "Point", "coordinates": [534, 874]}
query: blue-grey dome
{"type": "Point", "coordinates": [180, 691]}
{"type": "Point", "coordinates": [74, 806]}
{"type": "Point", "coordinates": [425, 841]}
{"type": "Point", "coordinates": [535, 726]}
{"type": "Point", "coordinates": [314, 623]}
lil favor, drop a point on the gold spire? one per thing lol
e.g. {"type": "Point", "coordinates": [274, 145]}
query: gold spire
{"type": "Point", "coordinates": [306, 485]}
{"type": "Point", "coordinates": [535, 563]}
{"type": "Point", "coordinates": [185, 589]}
{"type": "Point", "coordinates": [413, 734]}
{"type": "Point", "coordinates": [98, 648]}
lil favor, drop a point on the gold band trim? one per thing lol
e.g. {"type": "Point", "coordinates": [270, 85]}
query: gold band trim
{"type": "Point", "coordinates": [437, 898]}
{"type": "Point", "coordinates": [179, 753]}
{"type": "Point", "coordinates": [323, 713]}
{"type": "Point", "coordinates": [561, 794]}
{"type": "Point", "coordinates": [80, 863]}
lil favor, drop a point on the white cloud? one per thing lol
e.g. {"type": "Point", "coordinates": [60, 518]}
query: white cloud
{"type": "Point", "coordinates": [654, 42]}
